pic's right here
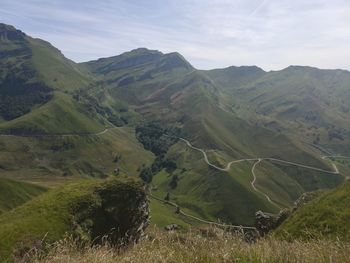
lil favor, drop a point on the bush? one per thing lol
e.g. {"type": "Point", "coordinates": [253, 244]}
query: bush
{"type": "Point", "coordinates": [88, 210]}
{"type": "Point", "coordinates": [157, 139]}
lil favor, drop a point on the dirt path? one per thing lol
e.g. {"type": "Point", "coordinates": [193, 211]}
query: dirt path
{"type": "Point", "coordinates": [259, 191]}
{"type": "Point", "coordinates": [61, 135]}
{"type": "Point", "coordinates": [181, 212]}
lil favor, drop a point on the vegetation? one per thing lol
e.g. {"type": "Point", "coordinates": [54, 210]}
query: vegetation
{"type": "Point", "coordinates": [209, 245]}
{"type": "Point", "coordinates": [158, 140]}
{"type": "Point", "coordinates": [156, 137]}
{"type": "Point", "coordinates": [86, 209]}
{"type": "Point", "coordinates": [14, 193]}
{"type": "Point", "coordinates": [67, 115]}
{"type": "Point", "coordinates": [327, 216]}
{"type": "Point", "coordinates": [20, 87]}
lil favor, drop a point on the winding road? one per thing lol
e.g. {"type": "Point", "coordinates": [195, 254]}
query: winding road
{"type": "Point", "coordinates": [257, 190]}
{"type": "Point", "coordinates": [259, 160]}
{"type": "Point", "coordinates": [206, 159]}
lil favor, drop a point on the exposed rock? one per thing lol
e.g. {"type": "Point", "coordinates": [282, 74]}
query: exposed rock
{"type": "Point", "coordinates": [265, 222]}
{"type": "Point", "coordinates": [172, 227]}
{"type": "Point", "coordinates": [307, 197]}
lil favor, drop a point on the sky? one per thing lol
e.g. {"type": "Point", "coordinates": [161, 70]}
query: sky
{"type": "Point", "coordinates": [271, 34]}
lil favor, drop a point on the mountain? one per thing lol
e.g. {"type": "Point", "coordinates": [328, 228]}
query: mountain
{"type": "Point", "coordinates": [306, 102]}
{"type": "Point", "coordinates": [232, 77]}
{"type": "Point", "coordinates": [195, 101]}
{"type": "Point", "coordinates": [45, 95]}
{"type": "Point", "coordinates": [123, 115]}
{"type": "Point", "coordinates": [35, 81]}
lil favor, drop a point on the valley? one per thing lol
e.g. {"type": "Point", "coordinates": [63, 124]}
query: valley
{"type": "Point", "coordinates": [248, 132]}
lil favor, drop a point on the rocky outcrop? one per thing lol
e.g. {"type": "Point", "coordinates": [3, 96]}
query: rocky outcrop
{"type": "Point", "coordinates": [172, 227]}
{"type": "Point", "coordinates": [122, 214]}
{"type": "Point", "coordinates": [306, 198]}
{"type": "Point", "coordinates": [91, 211]}
{"type": "Point", "coordinates": [10, 33]}
{"type": "Point", "coordinates": [265, 222]}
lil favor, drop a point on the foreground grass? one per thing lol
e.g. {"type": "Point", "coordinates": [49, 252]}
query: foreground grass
{"type": "Point", "coordinates": [213, 246]}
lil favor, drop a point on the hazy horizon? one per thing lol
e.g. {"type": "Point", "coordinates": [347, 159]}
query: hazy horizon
{"type": "Point", "coordinates": [270, 34]}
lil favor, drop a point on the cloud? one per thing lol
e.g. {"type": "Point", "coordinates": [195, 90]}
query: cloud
{"type": "Point", "coordinates": [209, 33]}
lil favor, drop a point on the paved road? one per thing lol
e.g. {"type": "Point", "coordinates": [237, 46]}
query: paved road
{"type": "Point", "coordinates": [228, 166]}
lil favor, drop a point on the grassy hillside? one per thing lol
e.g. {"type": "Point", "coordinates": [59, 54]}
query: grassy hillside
{"type": "Point", "coordinates": [143, 86]}
{"type": "Point", "coordinates": [189, 99]}
{"type": "Point", "coordinates": [327, 216]}
{"type": "Point", "coordinates": [85, 209]}
{"type": "Point", "coordinates": [60, 98]}
{"type": "Point", "coordinates": [20, 87]}
{"type": "Point", "coordinates": [302, 101]}
{"type": "Point", "coordinates": [43, 92]}
{"type": "Point", "coordinates": [93, 155]}
{"type": "Point", "coordinates": [14, 193]}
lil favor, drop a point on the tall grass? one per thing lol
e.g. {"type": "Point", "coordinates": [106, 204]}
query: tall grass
{"type": "Point", "coordinates": [212, 246]}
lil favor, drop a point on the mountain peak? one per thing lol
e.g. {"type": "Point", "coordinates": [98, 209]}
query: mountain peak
{"type": "Point", "coordinates": [252, 68]}
{"type": "Point", "coordinates": [10, 33]}
{"type": "Point", "coordinates": [298, 67]}
{"type": "Point", "coordinates": [175, 60]}
{"type": "Point", "coordinates": [142, 50]}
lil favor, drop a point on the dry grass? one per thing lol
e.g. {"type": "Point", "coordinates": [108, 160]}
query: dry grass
{"type": "Point", "coordinates": [160, 246]}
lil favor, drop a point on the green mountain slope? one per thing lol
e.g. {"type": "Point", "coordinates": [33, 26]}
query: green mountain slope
{"type": "Point", "coordinates": [86, 127]}
{"type": "Point", "coordinates": [14, 193]}
{"type": "Point", "coordinates": [59, 98]}
{"type": "Point", "coordinates": [184, 97]}
{"type": "Point", "coordinates": [35, 83]}
{"type": "Point", "coordinates": [327, 216]}
{"type": "Point", "coordinates": [302, 101]}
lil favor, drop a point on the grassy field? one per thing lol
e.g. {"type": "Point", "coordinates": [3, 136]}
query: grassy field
{"type": "Point", "coordinates": [61, 115]}
{"type": "Point", "coordinates": [74, 155]}
{"type": "Point", "coordinates": [14, 193]}
{"type": "Point", "coordinates": [206, 246]}
{"type": "Point", "coordinates": [163, 215]}
{"type": "Point", "coordinates": [210, 194]}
